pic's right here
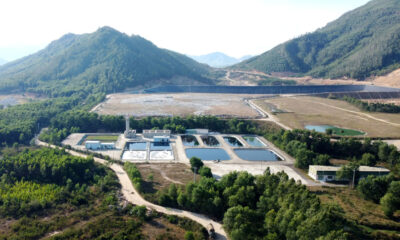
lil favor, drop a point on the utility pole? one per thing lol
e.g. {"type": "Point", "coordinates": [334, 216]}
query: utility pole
{"type": "Point", "coordinates": [194, 174]}
{"type": "Point", "coordinates": [354, 176]}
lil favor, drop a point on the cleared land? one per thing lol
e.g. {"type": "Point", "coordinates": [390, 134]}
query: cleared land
{"type": "Point", "coordinates": [179, 104]}
{"type": "Point", "coordinates": [303, 110]}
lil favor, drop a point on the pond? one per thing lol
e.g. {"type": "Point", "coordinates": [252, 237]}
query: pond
{"type": "Point", "coordinates": [253, 141]}
{"type": "Point", "coordinates": [135, 146]}
{"type": "Point", "coordinates": [256, 154]}
{"type": "Point", "coordinates": [159, 146]}
{"type": "Point", "coordinates": [318, 128]}
{"type": "Point", "coordinates": [233, 142]}
{"type": "Point", "coordinates": [210, 141]}
{"type": "Point", "coordinates": [189, 140]}
{"type": "Point", "coordinates": [335, 130]}
{"type": "Point", "coordinates": [207, 154]}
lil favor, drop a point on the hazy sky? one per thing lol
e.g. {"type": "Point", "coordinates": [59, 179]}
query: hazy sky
{"type": "Point", "coordinates": [187, 26]}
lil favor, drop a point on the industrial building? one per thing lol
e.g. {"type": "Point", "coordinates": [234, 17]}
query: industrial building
{"type": "Point", "coordinates": [97, 145]}
{"type": "Point", "coordinates": [328, 173]}
{"type": "Point", "coordinates": [156, 133]}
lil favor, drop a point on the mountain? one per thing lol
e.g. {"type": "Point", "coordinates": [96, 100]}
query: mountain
{"type": "Point", "coordinates": [103, 61]}
{"type": "Point", "coordinates": [244, 58]}
{"type": "Point", "coordinates": [361, 43]}
{"type": "Point", "coordinates": [2, 61]}
{"type": "Point", "coordinates": [218, 59]}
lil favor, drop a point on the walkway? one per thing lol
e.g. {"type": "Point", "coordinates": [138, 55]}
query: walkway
{"type": "Point", "coordinates": [135, 198]}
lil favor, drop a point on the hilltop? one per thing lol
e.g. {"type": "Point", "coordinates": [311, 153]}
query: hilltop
{"type": "Point", "coordinates": [362, 43]}
{"type": "Point", "coordinates": [104, 61]}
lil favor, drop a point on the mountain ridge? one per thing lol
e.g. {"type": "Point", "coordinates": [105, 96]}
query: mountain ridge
{"type": "Point", "coordinates": [361, 43]}
{"type": "Point", "coordinates": [102, 61]}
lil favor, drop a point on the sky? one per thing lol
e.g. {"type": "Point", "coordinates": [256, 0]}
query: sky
{"type": "Point", "coordinates": [194, 27]}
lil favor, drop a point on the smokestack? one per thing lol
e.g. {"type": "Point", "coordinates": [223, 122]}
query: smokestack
{"type": "Point", "coordinates": [127, 123]}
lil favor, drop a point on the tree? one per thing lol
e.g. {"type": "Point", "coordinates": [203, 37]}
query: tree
{"type": "Point", "coordinates": [189, 235]}
{"type": "Point", "coordinates": [373, 187]}
{"type": "Point", "coordinates": [322, 159]}
{"type": "Point", "coordinates": [242, 223]}
{"type": "Point", "coordinates": [205, 172]}
{"type": "Point", "coordinates": [383, 152]}
{"type": "Point", "coordinates": [196, 163]}
{"type": "Point", "coordinates": [348, 172]}
{"type": "Point", "coordinates": [388, 204]}
{"type": "Point", "coordinates": [391, 201]}
{"type": "Point", "coordinates": [329, 131]}
{"type": "Point", "coordinates": [368, 159]}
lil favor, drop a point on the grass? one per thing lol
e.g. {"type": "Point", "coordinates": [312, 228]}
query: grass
{"type": "Point", "coordinates": [103, 138]}
{"type": "Point", "coordinates": [345, 132]}
{"type": "Point", "coordinates": [306, 110]}
{"type": "Point", "coordinates": [365, 213]}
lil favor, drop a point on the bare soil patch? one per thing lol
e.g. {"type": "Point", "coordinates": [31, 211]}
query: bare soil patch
{"type": "Point", "coordinates": [179, 104]}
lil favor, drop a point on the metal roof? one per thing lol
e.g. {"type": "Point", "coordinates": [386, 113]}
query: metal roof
{"type": "Point", "coordinates": [336, 168]}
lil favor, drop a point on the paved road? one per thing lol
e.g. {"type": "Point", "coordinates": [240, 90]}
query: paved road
{"type": "Point", "coordinates": [134, 197]}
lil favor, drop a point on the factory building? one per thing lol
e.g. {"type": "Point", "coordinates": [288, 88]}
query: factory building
{"type": "Point", "coordinates": [156, 133]}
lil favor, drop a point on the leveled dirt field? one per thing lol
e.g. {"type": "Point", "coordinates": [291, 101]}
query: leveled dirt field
{"type": "Point", "coordinates": [296, 112]}
{"type": "Point", "coordinates": [177, 104]}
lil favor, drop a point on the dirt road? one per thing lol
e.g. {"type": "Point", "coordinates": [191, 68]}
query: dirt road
{"type": "Point", "coordinates": [131, 195]}
{"type": "Point", "coordinates": [269, 117]}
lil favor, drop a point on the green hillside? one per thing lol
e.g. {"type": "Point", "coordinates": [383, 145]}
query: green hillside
{"type": "Point", "coordinates": [103, 61]}
{"type": "Point", "coordinates": [361, 43]}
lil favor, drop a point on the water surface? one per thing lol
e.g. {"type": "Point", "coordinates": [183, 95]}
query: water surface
{"type": "Point", "coordinates": [207, 154]}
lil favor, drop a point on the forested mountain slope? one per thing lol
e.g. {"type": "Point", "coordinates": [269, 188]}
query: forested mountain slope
{"type": "Point", "coordinates": [103, 61]}
{"type": "Point", "coordinates": [361, 43]}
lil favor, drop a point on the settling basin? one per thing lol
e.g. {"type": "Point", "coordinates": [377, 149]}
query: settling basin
{"type": "Point", "coordinates": [207, 154]}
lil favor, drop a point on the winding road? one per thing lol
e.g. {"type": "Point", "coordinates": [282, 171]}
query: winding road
{"type": "Point", "coordinates": [131, 195]}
